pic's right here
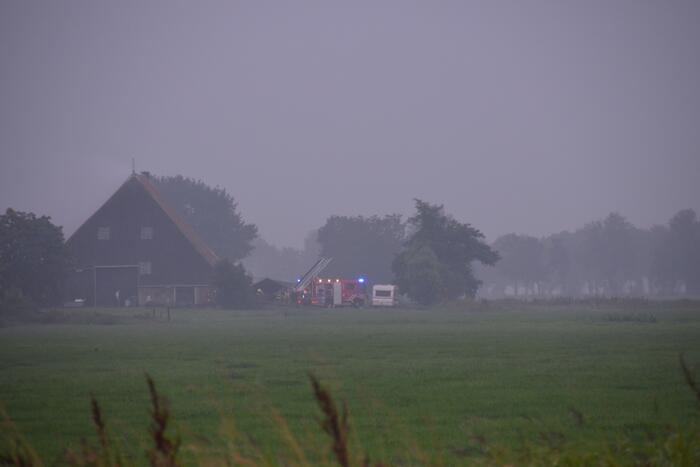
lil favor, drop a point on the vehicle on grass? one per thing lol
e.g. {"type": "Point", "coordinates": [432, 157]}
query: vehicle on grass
{"type": "Point", "coordinates": [385, 295]}
{"type": "Point", "coordinates": [311, 289]}
{"type": "Point", "coordinates": [337, 292]}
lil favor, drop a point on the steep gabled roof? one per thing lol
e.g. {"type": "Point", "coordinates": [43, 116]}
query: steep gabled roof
{"type": "Point", "coordinates": [185, 229]}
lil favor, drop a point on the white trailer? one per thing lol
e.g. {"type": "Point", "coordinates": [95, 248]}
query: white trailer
{"type": "Point", "coordinates": [384, 295]}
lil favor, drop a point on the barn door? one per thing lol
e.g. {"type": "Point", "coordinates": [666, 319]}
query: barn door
{"type": "Point", "coordinates": [116, 285]}
{"type": "Point", "coordinates": [184, 296]}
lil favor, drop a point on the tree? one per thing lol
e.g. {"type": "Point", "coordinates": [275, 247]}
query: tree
{"type": "Point", "coordinates": [287, 264]}
{"type": "Point", "coordinates": [418, 274]}
{"type": "Point", "coordinates": [618, 252]}
{"type": "Point", "coordinates": [362, 246]}
{"type": "Point", "coordinates": [212, 212]}
{"type": "Point", "coordinates": [605, 253]}
{"type": "Point", "coordinates": [557, 262]}
{"type": "Point", "coordinates": [676, 257]}
{"type": "Point", "coordinates": [588, 254]}
{"type": "Point", "coordinates": [266, 260]}
{"type": "Point", "coordinates": [440, 246]}
{"type": "Point", "coordinates": [642, 251]}
{"type": "Point", "coordinates": [663, 275]}
{"type": "Point", "coordinates": [32, 258]}
{"type": "Point", "coordinates": [522, 259]}
{"type": "Point", "coordinates": [234, 287]}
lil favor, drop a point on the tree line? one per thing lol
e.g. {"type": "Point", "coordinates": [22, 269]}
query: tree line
{"type": "Point", "coordinates": [431, 256]}
{"type": "Point", "coordinates": [608, 257]}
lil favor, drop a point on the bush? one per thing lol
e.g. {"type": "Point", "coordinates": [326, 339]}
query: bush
{"type": "Point", "coordinates": [14, 303]}
{"type": "Point", "coordinates": [234, 287]}
{"type": "Point", "coordinates": [32, 257]}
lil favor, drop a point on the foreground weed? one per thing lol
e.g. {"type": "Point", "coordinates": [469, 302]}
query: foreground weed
{"type": "Point", "coordinates": [20, 454]}
{"type": "Point", "coordinates": [14, 449]}
{"type": "Point", "coordinates": [689, 378]}
{"type": "Point", "coordinates": [107, 455]}
{"type": "Point", "coordinates": [164, 451]}
{"type": "Point", "coordinates": [334, 423]}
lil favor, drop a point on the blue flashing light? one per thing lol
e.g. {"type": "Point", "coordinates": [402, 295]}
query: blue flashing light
{"type": "Point", "coordinates": [361, 280]}
{"type": "Point", "coordinates": [298, 280]}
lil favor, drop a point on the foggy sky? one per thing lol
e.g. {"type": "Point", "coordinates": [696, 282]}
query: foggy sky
{"type": "Point", "coordinates": [528, 117]}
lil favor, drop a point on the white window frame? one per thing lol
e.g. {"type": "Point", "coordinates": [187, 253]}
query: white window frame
{"type": "Point", "coordinates": [147, 233]}
{"type": "Point", "coordinates": [104, 233]}
{"type": "Point", "coordinates": [145, 268]}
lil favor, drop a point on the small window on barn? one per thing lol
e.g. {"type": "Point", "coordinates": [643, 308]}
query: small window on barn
{"type": "Point", "coordinates": [146, 233]}
{"type": "Point", "coordinates": [103, 233]}
{"type": "Point", "coordinates": [144, 268]}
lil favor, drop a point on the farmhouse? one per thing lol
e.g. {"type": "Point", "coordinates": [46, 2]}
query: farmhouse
{"type": "Point", "coordinates": [136, 249]}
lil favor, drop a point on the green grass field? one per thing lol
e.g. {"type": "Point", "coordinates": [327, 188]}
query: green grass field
{"type": "Point", "coordinates": [434, 385]}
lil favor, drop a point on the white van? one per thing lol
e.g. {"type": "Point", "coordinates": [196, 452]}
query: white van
{"type": "Point", "coordinates": [384, 295]}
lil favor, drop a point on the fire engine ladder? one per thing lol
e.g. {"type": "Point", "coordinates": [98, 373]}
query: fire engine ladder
{"type": "Point", "coordinates": [312, 273]}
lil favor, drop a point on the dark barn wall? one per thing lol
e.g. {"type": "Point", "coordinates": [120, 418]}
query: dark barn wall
{"type": "Point", "coordinates": [116, 286]}
{"type": "Point", "coordinates": [174, 260]}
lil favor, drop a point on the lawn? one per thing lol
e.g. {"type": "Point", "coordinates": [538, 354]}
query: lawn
{"type": "Point", "coordinates": [437, 385]}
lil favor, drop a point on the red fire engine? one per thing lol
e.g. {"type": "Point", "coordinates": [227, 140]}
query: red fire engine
{"type": "Point", "coordinates": [337, 292]}
{"type": "Point", "coordinates": [313, 290]}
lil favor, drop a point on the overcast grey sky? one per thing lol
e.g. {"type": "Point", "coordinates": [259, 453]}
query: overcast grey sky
{"type": "Point", "coordinates": [525, 116]}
